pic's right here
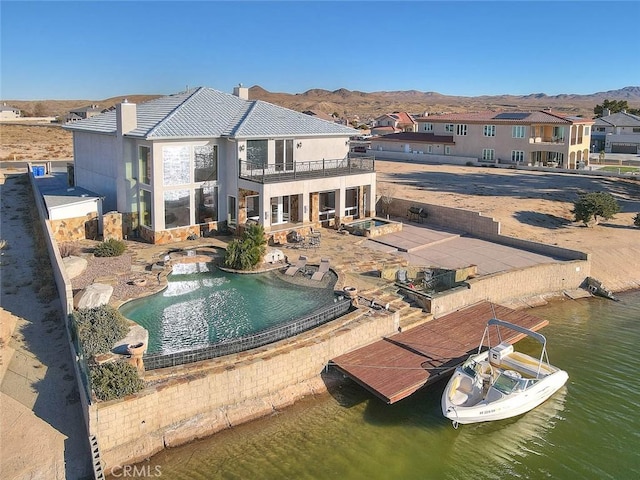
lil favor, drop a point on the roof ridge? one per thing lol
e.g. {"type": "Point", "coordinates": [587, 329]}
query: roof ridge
{"type": "Point", "coordinates": [243, 117]}
{"type": "Point", "coordinates": [173, 112]}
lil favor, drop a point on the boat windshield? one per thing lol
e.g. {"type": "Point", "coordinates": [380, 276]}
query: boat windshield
{"type": "Point", "coordinates": [470, 367]}
{"type": "Point", "coordinates": [508, 383]}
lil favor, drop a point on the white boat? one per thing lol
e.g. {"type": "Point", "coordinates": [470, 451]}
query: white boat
{"type": "Point", "coordinates": [499, 382]}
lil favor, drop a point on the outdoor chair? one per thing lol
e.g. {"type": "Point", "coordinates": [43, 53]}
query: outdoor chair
{"type": "Point", "coordinates": [301, 263]}
{"type": "Point", "coordinates": [322, 269]}
{"type": "Point", "coordinates": [401, 276]}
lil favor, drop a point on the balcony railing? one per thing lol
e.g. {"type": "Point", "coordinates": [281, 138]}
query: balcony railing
{"type": "Point", "coordinates": [304, 170]}
{"type": "Point", "coordinates": [546, 140]}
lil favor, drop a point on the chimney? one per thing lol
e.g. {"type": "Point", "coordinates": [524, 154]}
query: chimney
{"type": "Point", "coordinates": [606, 112]}
{"type": "Point", "coordinates": [126, 117]}
{"type": "Point", "coordinates": [241, 92]}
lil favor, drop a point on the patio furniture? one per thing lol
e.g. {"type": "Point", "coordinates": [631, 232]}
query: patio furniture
{"type": "Point", "coordinates": [414, 213]}
{"type": "Point", "coordinates": [322, 269]}
{"type": "Point", "coordinates": [301, 263]}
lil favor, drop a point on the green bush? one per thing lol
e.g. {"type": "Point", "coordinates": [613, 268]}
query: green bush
{"type": "Point", "coordinates": [99, 328]}
{"type": "Point", "coordinates": [593, 205]}
{"type": "Point", "coordinates": [110, 248]}
{"type": "Point", "coordinates": [636, 220]}
{"type": "Point", "coordinates": [247, 252]}
{"type": "Point", "coordinates": [115, 380]}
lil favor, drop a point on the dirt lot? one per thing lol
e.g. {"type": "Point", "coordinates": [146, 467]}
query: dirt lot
{"type": "Point", "coordinates": [34, 142]}
{"type": "Point", "coordinates": [535, 206]}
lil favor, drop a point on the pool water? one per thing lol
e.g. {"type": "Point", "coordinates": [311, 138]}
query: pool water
{"type": "Point", "coordinates": [203, 305]}
{"type": "Point", "coordinates": [368, 224]}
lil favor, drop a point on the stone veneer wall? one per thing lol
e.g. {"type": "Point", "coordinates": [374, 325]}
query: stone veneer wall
{"type": "Point", "coordinates": [228, 391]}
{"type": "Point", "coordinates": [74, 229]}
{"type": "Point", "coordinates": [112, 226]}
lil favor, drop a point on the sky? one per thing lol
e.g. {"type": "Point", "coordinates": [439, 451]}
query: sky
{"type": "Point", "coordinates": [100, 49]}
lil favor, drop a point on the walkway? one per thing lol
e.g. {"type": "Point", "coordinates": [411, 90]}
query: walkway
{"type": "Point", "coordinates": [397, 366]}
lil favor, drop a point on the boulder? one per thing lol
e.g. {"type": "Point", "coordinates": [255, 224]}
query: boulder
{"type": "Point", "coordinates": [74, 265]}
{"type": "Point", "coordinates": [94, 295]}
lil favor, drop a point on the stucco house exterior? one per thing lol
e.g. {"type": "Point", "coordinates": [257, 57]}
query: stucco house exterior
{"type": "Point", "coordinates": [82, 113]}
{"type": "Point", "coordinates": [529, 138]}
{"type": "Point", "coordinates": [393, 123]}
{"type": "Point", "coordinates": [9, 113]}
{"type": "Point", "coordinates": [202, 160]}
{"type": "Point", "coordinates": [616, 133]}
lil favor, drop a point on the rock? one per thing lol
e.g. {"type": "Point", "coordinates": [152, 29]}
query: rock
{"type": "Point", "coordinates": [94, 295]}
{"type": "Point", "coordinates": [74, 265]}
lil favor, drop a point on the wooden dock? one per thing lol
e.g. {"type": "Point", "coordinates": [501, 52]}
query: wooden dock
{"type": "Point", "coordinates": [395, 367]}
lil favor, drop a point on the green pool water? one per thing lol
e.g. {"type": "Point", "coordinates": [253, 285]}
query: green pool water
{"type": "Point", "coordinates": [203, 305]}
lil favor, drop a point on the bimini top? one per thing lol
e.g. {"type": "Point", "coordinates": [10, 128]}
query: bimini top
{"type": "Point", "coordinates": [501, 323]}
{"type": "Point", "coordinates": [207, 113]}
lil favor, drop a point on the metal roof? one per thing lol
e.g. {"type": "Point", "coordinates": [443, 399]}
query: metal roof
{"type": "Point", "coordinates": [208, 113]}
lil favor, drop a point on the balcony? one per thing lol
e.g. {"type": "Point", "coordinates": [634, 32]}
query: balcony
{"type": "Point", "coordinates": [306, 170]}
{"type": "Point", "coordinates": [553, 140]}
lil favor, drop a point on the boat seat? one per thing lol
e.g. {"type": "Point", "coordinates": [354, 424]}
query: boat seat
{"type": "Point", "coordinates": [462, 392]}
{"type": "Point", "coordinates": [525, 365]}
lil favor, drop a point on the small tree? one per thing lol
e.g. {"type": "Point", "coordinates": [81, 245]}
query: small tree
{"type": "Point", "coordinates": [386, 197]}
{"type": "Point", "coordinates": [245, 253]}
{"type": "Point", "coordinates": [590, 206]}
{"type": "Point", "coordinates": [636, 220]}
{"type": "Point", "coordinates": [99, 328]}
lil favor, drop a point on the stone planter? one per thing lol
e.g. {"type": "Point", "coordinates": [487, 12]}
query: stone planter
{"type": "Point", "coordinates": [352, 294]}
{"type": "Point", "coordinates": [136, 350]}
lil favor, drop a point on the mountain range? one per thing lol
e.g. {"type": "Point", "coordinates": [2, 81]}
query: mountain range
{"type": "Point", "coordinates": [368, 105]}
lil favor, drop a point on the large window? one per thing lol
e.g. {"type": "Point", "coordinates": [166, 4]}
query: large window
{"type": "Point", "coordinates": [253, 207]}
{"type": "Point", "coordinates": [517, 131]}
{"type": "Point", "coordinates": [489, 130]}
{"type": "Point", "coordinates": [517, 156]}
{"type": "Point", "coordinates": [448, 127]}
{"type": "Point", "coordinates": [205, 159]}
{"type": "Point", "coordinates": [144, 165]}
{"type": "Point", "coordinates": [351, 202]}
{"type": "Point", "coordinates": [428, 127]}
{"type": "Point", "coordinates": [176, 209]}
{"type": "Point", "coordinates": [558, 134]}
{"type": "Point", "coordinates": [327, 205]}
{"type": "Point", "coordinates": [176, 165]}
{"type": "Point", "coordinates": [206, 204]}
{"type": "Point", "coordinates": [257, 153]}
{"type": "Point", "coordinates": [447, 150]}
{"type": "Point", "coordinates": [284, 155]}
{"type": "Point", "coordinates": [280, 209]}
{"type": "Point", "coordinates": [145, 208]}
{"type": "Point", "coordinates": [488, 154]}
{"type": "Point", "coordinates": [461, 129]}
{"type": "Point", "coordinates": [232, 217]}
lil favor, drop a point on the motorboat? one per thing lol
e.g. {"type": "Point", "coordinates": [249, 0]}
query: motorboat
{"type": "Point", "coordinates": [498, 382]}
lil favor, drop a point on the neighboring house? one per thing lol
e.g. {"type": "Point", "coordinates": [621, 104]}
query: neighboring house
{"type": "Point", "coordinates": [394, 123]}
{"type": "Point", "coordinates": [9, 113]}
{"type": "Point", "coordinates": [82, 113]}
{"type": "Point", "coordinates": [536, 138]}
{"type": "Point", "coordinates": [616, 133]}
{"type": "Point", "coordinates": [200, 160]}
{"type": "Point", "coordinates": [320, 115]}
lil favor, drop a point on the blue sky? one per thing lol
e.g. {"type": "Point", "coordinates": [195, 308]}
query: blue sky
{"type": "Point", "coordinates": [98, 49]}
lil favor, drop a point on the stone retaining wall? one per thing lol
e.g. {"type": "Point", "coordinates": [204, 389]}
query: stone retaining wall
{"type": "Point", "coordinates": [221, 393]}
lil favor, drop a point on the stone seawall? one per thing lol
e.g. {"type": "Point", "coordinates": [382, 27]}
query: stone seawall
{"type": "Point", "coordinates": [196, 400]}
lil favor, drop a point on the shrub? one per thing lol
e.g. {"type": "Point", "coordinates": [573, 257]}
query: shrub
{"type": "Point", "coordinates": [636, 220]}
{"type": "Point", "coordinates": [99, 328]}
{"type": "Point", "coordinates": [110, 248]}
{"type": "Point", "coordinates": [593, 205]}
{"type": "Point", "coordinates": [68, 250]}
{"type": "Point", "coordinates": [247, 252]}
{"type": "Point", "coordinates": [115, 380]}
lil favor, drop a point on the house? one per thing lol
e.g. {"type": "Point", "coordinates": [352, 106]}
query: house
{"type": "Point", "coordinates": [82, 113]}
{"type": "Point", "coordinates": [535, 138]}
{"type": "Point", "coordinates": [9, 113]}
{"type": "Point", "coordinates": [616, 133]}
{"type": "Point", "coordinates": [321, 115]}
{"type": "Point", "coordinates": [201, 160]}
{"type": "Point", "coordinates": [393, 123]}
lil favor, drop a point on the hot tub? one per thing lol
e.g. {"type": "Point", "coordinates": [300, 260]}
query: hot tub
{"type": "Point", "coordinates": [373, 227]}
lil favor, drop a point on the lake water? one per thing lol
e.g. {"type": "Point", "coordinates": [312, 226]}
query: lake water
{"type": "Point", "coordinates": [588, 430]}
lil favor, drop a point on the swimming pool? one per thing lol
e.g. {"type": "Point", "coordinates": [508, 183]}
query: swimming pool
{"type": "Point", "coordinates": [203, 305]}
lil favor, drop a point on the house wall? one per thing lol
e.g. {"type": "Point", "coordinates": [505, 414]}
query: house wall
{"type": "Point", "coordinates": [98, 169]}
{"type": "Point", "coordinates": [75, 228]}
{"type": "Point", "coordinates": [228, 391]}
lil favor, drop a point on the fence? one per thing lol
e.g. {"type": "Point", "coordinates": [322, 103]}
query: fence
{"type": "Point", "coordinates": [301, 170]}
{"type": "Point", "coordinates": [279, 332]}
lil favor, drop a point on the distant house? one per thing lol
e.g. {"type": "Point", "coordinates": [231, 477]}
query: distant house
{"type": "Point", "coordinates": [201, 160]}
{"type": "Point", "coordinates": [537, 138]}
{"type": "Point", "coordinates": [8, 112]}
{"type": "Point", "coordinates": [82, 113]}
{"type": "Point", "coordinates": [320, 115]}
{"type": "Point", "coordinates": [616, 133]}
{"type": "Point", "coordinates": [393, 123]}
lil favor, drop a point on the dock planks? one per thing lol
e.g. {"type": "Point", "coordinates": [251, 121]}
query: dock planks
{"type": "Point", "coordinates": [395, 367]}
